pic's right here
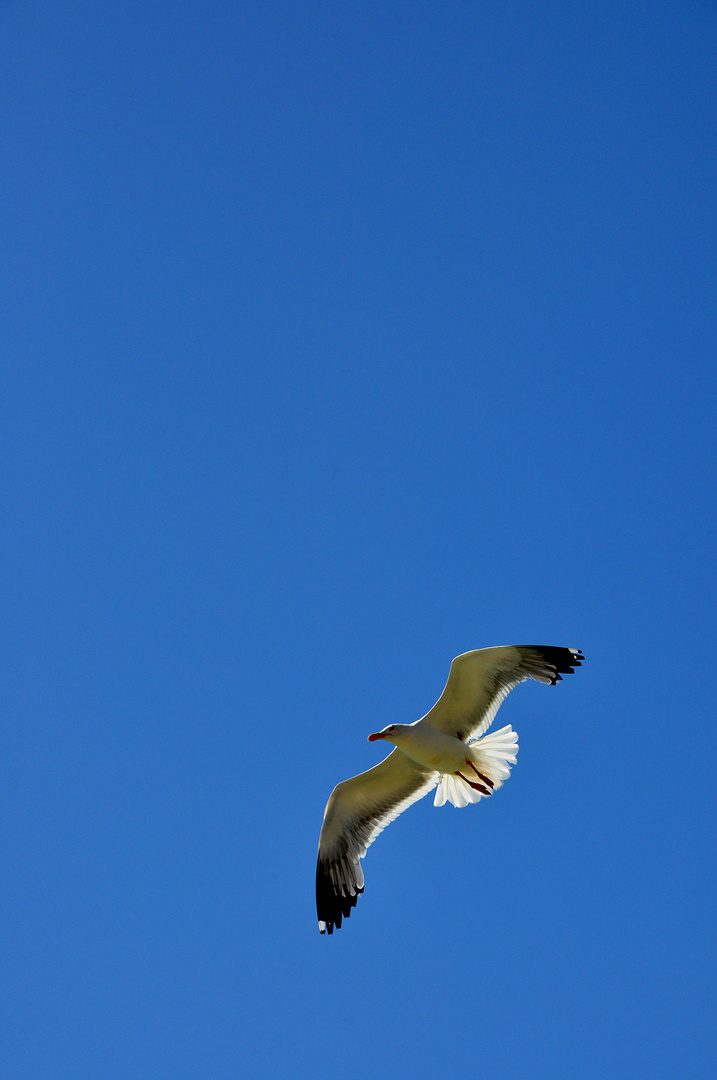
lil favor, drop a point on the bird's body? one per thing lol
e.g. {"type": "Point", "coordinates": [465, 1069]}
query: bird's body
{"type": "Point", "coordinates": [442, 749]}
{"type": "Point", "coordinates": [428, 747]}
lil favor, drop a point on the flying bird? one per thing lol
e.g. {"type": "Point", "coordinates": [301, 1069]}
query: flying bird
{"type": "Point", "coordinates": [442, 750]}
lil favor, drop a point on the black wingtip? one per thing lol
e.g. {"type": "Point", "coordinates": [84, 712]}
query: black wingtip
{"type": "Point", "coordinates": [331, 906]}
{"type": "Point", "coordinates": [562, 661]}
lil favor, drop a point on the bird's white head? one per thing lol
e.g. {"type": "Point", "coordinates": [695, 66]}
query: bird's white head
{"type": "Point", "coordinates": [392, 733]}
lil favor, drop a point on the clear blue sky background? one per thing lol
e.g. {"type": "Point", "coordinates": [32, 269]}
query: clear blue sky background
{"type": "Point", "coordinates": [339, 338]}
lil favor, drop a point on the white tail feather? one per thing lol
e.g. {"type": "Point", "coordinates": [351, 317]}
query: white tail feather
{"type": "Point", "coordinates": [491, 756]}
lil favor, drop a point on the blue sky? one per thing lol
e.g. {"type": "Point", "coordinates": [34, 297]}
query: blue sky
{"type": "Point", "coordinates": [338, 339]}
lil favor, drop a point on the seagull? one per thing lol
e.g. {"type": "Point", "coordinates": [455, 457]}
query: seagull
{"type": "Point", "coordinates": [443, 750]}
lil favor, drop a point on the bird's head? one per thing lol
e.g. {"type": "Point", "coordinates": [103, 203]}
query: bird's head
{"type": "Point", "coordinates": [392, 733]}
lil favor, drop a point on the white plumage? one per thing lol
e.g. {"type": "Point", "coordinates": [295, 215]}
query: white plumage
{"type": "Point", "coordinates": [442, 750]}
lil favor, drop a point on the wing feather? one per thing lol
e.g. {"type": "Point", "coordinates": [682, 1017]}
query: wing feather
{"type": "Point", "coordinates": [358, 810]}
{"type": "Point", "coordinates": [479, 682]}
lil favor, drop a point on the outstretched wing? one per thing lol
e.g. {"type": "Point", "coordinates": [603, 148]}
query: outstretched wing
{"type": "Point", "coordinates": [358, 810]}
{"type": "Point", "coordinates": [480, 680]}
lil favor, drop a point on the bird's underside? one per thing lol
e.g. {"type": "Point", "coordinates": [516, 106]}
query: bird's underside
{"type": "Point", "coordinates": [442, 750]}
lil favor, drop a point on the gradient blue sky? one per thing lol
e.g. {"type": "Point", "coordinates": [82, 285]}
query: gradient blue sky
{"type": "Point", "coordinates": [339, 338]}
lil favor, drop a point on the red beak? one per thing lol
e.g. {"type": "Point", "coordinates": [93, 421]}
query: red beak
{"type": "Point", "coordinates": [376, 735]}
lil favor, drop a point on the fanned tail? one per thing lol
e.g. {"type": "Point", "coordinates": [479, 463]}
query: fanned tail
{"type": "Point", "coordinates": [491, 756]}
